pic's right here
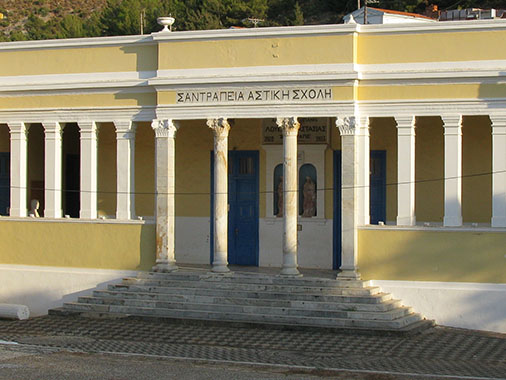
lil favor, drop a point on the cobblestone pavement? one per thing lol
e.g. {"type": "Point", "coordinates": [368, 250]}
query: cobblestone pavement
{"type": "Point", "coordinates": [440, 352]}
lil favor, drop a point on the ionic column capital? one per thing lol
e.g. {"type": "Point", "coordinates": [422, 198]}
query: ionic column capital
{"type": "Point", "coordinates": [53, 127]}
{"type": "Point", "coordinates": [165, 128]}
{"type": "Point", "coordinates": [125, 129]}
{"type": "Point", "coordinates": [347, 125]}
{"type": "Point", "coordinates": [452, 124]}
{"type": "Point", "coordinates": [87, 126]}
{"type": "Point", "coordinates": [18, 127]}
{"type": "Point", "coordinates": [220, 126]}
{"type": "Point", "coordinates": [289, 125]}
{"type": "Point", "coordinates": [498, 123]}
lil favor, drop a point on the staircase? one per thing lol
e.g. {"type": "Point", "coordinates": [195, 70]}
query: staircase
{"type": "Point", "coordinates": [252, 298]}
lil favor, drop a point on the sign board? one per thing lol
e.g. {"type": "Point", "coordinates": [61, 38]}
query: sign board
{"type": "Point", "coordinates": [269, 95]}
{"type": "Point", "coordinates": [313, 130]}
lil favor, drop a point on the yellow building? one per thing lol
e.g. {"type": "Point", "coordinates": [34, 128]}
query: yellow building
{"type": "Point", "coordinates": [392, 137]}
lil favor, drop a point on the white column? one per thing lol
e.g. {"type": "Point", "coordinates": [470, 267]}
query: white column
{"type": "Point", "coordinates": [290, 128]}
{"type": "Point", "coordinates": [349, 197]}
{"type": "Point", "coordinates": [125, 169]}
{"type": "Point", "coordinates": [165, 132]}
{"type": "Point", "coordinates": [498, 170]}
{"type": "Point", "coordinates": [406, 170]}
{"type": "Point", "coordinates": [453, 170]}
{"type": "Point", "coordinates": [53, 169]}
{"type": "Point", "coordinates": [19, 165]}
{"type": "Point", "coordinates": [89, 169]}
{"type": "Point", "coordinates": [220, 129]}
{"type": "Point", "coordinates": [363, 171]}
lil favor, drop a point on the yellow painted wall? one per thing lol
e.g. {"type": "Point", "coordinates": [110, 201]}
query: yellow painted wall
{"type": "Point", "coordinates": [145, 170]}
{"type": "Point", "coordinates": [476, 169]}
{"type": "Point", "coordinates": [79, 245]}
{"type": "Point", "coordinates": [119, 99]}
{"type": "Point", "coordinates": [430, 47]}
{"type": "Point", "coordinates": [431, 91]}
{"type": "Point", "coordinates": [383, 132]}
{"type": "Point", "coordinates": [194, 143]}
{"type": "Point", "coordinates": [432, 256]}
{"type": "Point", "coordinates": [106, 170]}
{"type": "Point", "coordinates": [429, 170]}
{"type": "Point", "coordinates": [5, 144]}
{"type": "Point", "coordinates": [247, 52]}
{"type": "Point", "coordinates": [78, 60]}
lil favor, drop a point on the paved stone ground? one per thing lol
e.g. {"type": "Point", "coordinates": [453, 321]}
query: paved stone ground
{"type": "Point", "coordinates": [439, 351]}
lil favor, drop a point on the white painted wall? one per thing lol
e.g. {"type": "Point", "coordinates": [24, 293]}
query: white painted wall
{"type": "Point", "coordinates": [456, 304]}
{"type": "Point", "coordinates": [314, 243]}
{"type": "Point", "coordinates": [43, 288]}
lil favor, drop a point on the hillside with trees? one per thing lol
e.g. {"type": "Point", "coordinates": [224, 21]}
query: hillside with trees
{"type": "Point", "coordinates": [49, 19]}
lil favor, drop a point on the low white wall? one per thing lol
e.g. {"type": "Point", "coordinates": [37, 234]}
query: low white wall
{"type": "Point", "coordinates": [466, 305]}
{"type": "Point", "coordinates": [193, 240]}
{"type": "Point", "coordinates": [314, 248]}
{"type": "Point", "coordinates": [314, 242]}
{"type": "Point", "coordinates": [44, 288]}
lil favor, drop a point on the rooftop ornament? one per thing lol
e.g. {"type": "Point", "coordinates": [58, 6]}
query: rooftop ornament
{"type": "Point", "coordinates": [166, 22]}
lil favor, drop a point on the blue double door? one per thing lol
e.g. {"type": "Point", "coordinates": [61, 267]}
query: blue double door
{"type": "Point", "coordinates": [377, 196]}
{"type": "Point", "coordinates": [243, 201]}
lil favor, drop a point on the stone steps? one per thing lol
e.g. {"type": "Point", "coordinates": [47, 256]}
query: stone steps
{"type": "Point", "coordinates": [259, 294]}
{"type": "Point", "coordinates": [253, 287]}
{"type": "Point", "coordinates": [98, 295]}
{"type": "Point", "coordinates": [246, 317]}
{"type": "Point", "coordinates": [249, 309]}
{"type": "Point", "coordinates": [251, 298]}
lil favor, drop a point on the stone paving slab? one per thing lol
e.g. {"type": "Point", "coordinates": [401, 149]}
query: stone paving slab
{"type": "Point", "coordinates": [438, 351]}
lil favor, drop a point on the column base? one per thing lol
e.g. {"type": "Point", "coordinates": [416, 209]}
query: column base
{"type": "Point", "coordinates": [406, 221]}
{"type": "Point", "coordinates": [348, 274]}
{"type": "Point", "coordinates": [452, 221]}
{"type": "Point", "coordinates": [290, 272]}
{"type": "Point", "coordinates": [499, 221]}
{"type": "Point", "coordinates": [165, 268]}
{"type": "Point", "coordinates": [18, 212]}
{"type": "Point", "coordinates": [220, 268]}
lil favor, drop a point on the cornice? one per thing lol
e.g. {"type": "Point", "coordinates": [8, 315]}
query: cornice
{"type": "Point", "coordinates": [76, 42]}
{"type": "Point", "coordinates": [280, 31]}
{"type": "Point", "coordinates": [431, 27]}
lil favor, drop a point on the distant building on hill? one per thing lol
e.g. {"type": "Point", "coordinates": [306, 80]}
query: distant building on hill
{"type": "Point", "coordinates": [383, 16]}
{"type": "Point", "coordinates": [472, 14]}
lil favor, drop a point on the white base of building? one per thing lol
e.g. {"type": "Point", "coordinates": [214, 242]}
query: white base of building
{"type": "Point", "coordinates": [456, 304]}
{"type": "Point", "coordinates": [314, 245]}
{"type": "Point", "coordinates": [44, 288]}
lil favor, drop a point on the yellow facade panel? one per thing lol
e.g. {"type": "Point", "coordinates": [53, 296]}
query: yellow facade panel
{"type": "Point", "coordinates": [432, 256]}
{"type": "Point", "coordinates": [431, 47]}
{"type": "Point", "coordinates": [79, 60]}
{"type": "Point", "coordinates": [119, 99]}
{"type": "Point", "coordinates": [420, 92]}
{"type": "Point", "coordinates": [256, 52]}
{"type": "Point", "coordinates": [78, 245]}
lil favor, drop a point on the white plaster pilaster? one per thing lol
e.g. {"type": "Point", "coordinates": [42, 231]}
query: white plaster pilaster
{"type": "Point", "coordinates": [453, 170]}
{"type": "Point", "coordinates": [89, 169]}
{"type": "Point", "coordinates": [290, 128]}
{"type": "Point", "coordinates": [125, 169]}
{"type": "Point", "coordinates": [19, 166]}
{"type": "Point", "coordinates": [220, 129]}
{"type": "Point", "coordinates": [498, 170]}
{"type": "Point", "coordinates": [406, 170]}
{"type": "Point", "coordinates": [53, 169]}
{"type": "Point", "coordinates": [165, 133]}
{"type": "Point", "coordinates": [363, 170]}
{"type": "Point", "coordinates": [349, 196]}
